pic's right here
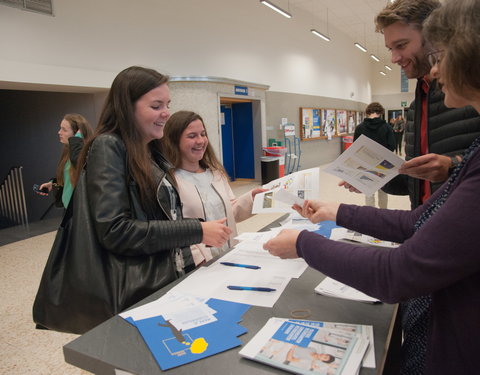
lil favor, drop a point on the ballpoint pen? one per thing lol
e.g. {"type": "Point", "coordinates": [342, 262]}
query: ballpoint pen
{"type": "Point", "coordinates": [252, 288]}
{"type": "Point", "coordinates": [240, 265]}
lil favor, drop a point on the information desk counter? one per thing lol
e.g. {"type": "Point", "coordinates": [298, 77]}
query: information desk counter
{"type": "Point", "coordinates": [116, 345]}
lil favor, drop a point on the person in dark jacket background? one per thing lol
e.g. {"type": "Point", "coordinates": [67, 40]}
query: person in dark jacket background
{"type": "Point", "coordinates": [398, 129]}
{"type": "Point", "coordinates": [377, 129]}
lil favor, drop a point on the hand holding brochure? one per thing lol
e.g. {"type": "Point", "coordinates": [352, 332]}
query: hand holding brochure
{"type": "Point", "coordinates": [366, 165]}
{"type": "Point", "coordinates": [286, 191]}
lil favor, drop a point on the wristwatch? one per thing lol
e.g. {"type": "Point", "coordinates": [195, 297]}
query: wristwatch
{"type": "Point", "coordinates": [455, 162]}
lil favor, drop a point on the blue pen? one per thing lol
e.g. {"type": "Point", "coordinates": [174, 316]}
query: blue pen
{"type": "Point", "coordinates": [253, 288]}
{"type": "Point", "coordinates": [240, 265]}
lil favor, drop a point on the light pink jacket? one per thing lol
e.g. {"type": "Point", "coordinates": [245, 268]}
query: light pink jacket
{"type": "Point", "coordinates": [237, 209]}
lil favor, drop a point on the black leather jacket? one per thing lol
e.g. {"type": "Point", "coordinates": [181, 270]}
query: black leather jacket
{"type": "Point", "coordinates": [143, 242]}
{"type": "Point", "coordinates": [450, 132]}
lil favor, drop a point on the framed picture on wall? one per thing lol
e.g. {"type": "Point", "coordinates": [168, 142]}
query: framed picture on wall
{"type": "Point", "coordinates": [329, 122]}
{"type": "Point", "coordinates": [341, 121]}
{"type": "Point", "coordinates": [351, 121]}
{"type": "Point", "coordinates": [310, 123]}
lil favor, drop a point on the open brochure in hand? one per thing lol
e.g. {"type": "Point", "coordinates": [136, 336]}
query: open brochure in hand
{"type": "Point", "coordinates": [306, 347]}
{"type": "Point", "coordinates": [366, 165]}
{"type": "Point", "coordinates": [285, 191]}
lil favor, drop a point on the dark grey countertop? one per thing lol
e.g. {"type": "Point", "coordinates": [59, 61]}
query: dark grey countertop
{"type": "Point", "coordinates": [115, 344]}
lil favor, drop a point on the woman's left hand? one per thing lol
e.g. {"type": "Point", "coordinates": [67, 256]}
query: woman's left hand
{"type": "Point", "coordinates": [284, 245]}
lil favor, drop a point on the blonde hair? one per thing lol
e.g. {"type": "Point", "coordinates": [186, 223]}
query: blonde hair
{"type": "Point", "coordinates": [456, 28]}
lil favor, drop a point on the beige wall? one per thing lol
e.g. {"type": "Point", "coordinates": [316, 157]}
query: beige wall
{"type": "Point", "coordinates": [284, 105]}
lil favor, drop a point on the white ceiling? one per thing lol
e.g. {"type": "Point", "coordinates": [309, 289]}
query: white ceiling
{"type": "Point", "coordinates": [355, 18]}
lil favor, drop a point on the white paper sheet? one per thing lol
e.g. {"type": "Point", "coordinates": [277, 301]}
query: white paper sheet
{"type": "Point", "coordinates": [213, 281]}
{"type": "Point", "coordinates": [346, 234]}
{"type": "Point", "coordinates": [334, 288]}
{"type": "Point", "coordinates": [302, 185]}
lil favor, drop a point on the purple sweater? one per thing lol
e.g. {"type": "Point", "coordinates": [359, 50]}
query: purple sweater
{"type": "Point", "coordinates": [441, 259]}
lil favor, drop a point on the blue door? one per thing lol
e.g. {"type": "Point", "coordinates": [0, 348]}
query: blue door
{"type": "Point", "coordinates": [227, 141]}
{"type": "Point", "coordinates": [242, 118]}
{"type": "Point", "coordinates": [237, 140]}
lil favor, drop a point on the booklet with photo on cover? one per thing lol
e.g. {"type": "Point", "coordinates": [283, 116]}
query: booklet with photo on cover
{"type": "Point", "coordinates": [306, 349]}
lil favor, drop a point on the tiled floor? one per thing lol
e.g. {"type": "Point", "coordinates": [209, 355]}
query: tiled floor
{"type": "Point", "coordinates": [25, 350]}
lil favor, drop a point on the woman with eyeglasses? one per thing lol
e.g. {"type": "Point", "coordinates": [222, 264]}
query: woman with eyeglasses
{"type": "Point", "coordinates": [439, 257]}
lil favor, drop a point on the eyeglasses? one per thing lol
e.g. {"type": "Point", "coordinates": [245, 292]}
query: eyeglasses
{"type": "Point", "coordinates": [434, 57]}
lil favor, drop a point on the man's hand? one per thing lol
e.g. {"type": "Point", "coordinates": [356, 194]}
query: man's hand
{"type": "Point", "coordinates": [349, 187]}
{"type": "Point", "coordinates": [431, 167]}
{"type": "Point", "coordinates": [284, 245]}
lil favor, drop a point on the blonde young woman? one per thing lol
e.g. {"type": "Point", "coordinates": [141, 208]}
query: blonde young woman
{"type": "Point", "coordinates": [202, 181]}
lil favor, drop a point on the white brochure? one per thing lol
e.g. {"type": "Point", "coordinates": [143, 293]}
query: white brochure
{"type": "Point", "coordinates": [366, 165]}
{"type": "Point", "coordinates": [287, 190]}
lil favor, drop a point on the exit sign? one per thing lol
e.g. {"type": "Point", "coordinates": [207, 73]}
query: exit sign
{"type": "Point", "coordinates": [404, 104]}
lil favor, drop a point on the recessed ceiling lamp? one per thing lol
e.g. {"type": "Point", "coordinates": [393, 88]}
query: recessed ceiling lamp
{"type": "Point", "coordinates": [276, 8]}
{"type": "Point", "coordinates": [374, 57]}
{"type": "Point", "coordinates": [387, 67]}
{"type": "Point", "coordinates": [383, 73]}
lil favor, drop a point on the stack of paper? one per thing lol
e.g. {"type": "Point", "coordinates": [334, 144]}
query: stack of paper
{"type": "Point", "coordinates": [333, 288]}
{"type": "Point", "coordinates": [246, 274]}
{"type": "Point", "coordinates": [179, 328]}
{"type": "Point", "coordinates": [306, 347]}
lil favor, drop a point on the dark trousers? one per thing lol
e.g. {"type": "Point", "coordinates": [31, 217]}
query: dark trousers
{"type": "Point", "coordinates": [398, 138]}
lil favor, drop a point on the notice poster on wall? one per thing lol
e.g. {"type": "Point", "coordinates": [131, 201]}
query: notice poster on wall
{"type": "Point", "coordinates": [310, 123]}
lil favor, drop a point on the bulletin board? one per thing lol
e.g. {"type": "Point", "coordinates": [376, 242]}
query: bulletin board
{"type": "Point", "coordinates": [310, 119]}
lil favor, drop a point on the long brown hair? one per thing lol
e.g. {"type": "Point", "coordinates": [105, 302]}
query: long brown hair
{"type": "Point", "coordinates": [118, 117]}
{"type": "Point", "coordinates": [170, 143]}
{"type": "Point", "coordinates": [77, 123]}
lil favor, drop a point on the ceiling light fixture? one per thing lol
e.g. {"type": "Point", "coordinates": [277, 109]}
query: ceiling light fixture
{"type": "Point", "coordinates": [313, 30]}
{"type": "Point", "coordinates": [276, 8]}
{"type": "Point", "coordinates": [360, 47]}
{"type": "Point", "coordinates": [374, 57]}
{"type": "Point", "coordinates": [387, 67]}
{"type": "Point", "coordinates": [383, 73]}
{"type": "Point", "coordinates": [319, 34]}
